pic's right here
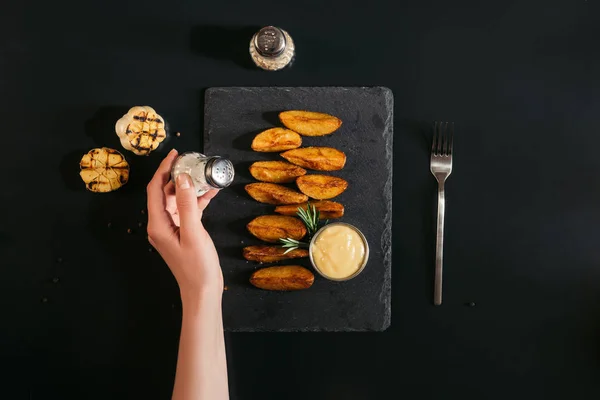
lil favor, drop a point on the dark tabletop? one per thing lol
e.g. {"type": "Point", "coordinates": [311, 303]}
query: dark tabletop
{"type": "Point", "coordinates": [89, 313]}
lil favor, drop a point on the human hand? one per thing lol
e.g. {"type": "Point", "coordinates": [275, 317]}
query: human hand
{"type": "Point", "coordinates": [176, 231]}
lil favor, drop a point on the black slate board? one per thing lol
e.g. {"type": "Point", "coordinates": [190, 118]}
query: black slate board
{"type": "Point", "coordinates": [233, 116]}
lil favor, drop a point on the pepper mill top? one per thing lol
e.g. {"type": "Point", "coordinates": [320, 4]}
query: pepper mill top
{"type": "Point", "coordinates": [272, 48]}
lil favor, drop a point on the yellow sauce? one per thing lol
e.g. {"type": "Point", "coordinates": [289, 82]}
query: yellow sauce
{"type": "Point", "coordinates": [338, 252]}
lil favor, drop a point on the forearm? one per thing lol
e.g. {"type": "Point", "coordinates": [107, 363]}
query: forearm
{"type": "Point", "coordinates": [201, 364]}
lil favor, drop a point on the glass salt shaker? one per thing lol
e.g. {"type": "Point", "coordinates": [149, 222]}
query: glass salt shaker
{"type": "Point", "coordinates": [272, 48]}
{"type": "Point", "coordinates": [207, 172]}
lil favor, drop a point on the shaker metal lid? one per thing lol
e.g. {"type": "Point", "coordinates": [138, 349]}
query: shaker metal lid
{"type": "Point", "coordinates": [219, 172]}
{"type": "Point", "coordinates": [269, 41]}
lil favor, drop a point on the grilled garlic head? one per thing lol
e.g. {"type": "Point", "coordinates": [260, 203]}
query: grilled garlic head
{"type": "Point", "coordinates": [141, 130]}
{"type": "Point", "coordinates": [104, 170]}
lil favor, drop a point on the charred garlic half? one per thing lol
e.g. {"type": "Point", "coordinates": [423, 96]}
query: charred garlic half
{"type": "Point", "coordinates": [103, 170]}
{"type": "Point", "coordinates": [141, 130]}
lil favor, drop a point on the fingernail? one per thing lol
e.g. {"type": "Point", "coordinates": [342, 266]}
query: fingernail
{"type": "Point", "coordinates": [183, 181]}
{"type": "Point", "coordinates": [173, 151]}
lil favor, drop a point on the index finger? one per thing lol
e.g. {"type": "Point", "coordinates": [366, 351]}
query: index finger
{"type": "Point", "coordinates": [159, 219]}
{"type": "Point", "coordinates": [205, 199]}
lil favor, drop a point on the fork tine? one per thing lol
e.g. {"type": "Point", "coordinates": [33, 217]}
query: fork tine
{"type": "Point", "coordinates": [446, 141]}
{"type": "Point", "coordinates": [451, 139]}
{"type": "Point", "coordinates": [440, 138]}
{"type": "Point", "coordinates": [443, 150]}
{"type": "Point", "coordinates": [434, 141]}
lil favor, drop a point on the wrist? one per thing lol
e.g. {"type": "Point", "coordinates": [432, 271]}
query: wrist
{"type": "Point", "coordinates": [204, 297]}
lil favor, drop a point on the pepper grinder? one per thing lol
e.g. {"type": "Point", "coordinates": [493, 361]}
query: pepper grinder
{"type": "Point", "coordinates": [272, 48]}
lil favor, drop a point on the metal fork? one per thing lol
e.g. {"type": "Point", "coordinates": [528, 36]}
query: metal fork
{"type": "Point", "coordinates": [441, 168]}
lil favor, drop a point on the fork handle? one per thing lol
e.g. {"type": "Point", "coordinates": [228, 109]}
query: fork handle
{"type": "Point", "coordinates": [439, 245]}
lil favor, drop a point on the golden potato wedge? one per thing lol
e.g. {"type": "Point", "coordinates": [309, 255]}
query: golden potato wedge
{"type": "Point", "coordinates": [270, 193]}
{"type": "Point", "coordinates": [271, 228]}
{"type": "Point", "coordinates": [289, 277]}
{"type": "Point", "coordinates": [270, 254]}
{"type": "Point", "coordinates": [276, 139]}
{"type": "Point", "coordinates": [318, 158]}
{"type": "Point", "coordinates": [276, 171]}
{"type": "Point", "coordinates": [327, 209]}
{"type": "Point", "coordinates": [309, 123]}
{"type": "Point", "coordinates": [321, 186]}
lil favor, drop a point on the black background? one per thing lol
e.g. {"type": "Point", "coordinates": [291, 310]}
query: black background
{"type": "Point", "coordinates": [519, 78]}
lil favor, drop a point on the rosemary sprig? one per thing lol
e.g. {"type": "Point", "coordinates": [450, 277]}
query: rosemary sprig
{"type": "Point", "coordinates": [310, 218]}
{"type": "Point", "coordinates": [291, 244]}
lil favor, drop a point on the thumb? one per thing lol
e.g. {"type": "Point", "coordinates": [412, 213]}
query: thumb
{"type": "Point", "coordinates": [187, 207]}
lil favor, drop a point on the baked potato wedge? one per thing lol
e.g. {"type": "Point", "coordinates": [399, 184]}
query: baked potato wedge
{"type": "Point", "coordinates": [276, 171]}
{"type": "Point", "coordinates": [327, 209]}
{"type": "Point", "coordinates": [289, 277]}
{"type": "Point", "coordinates": [271, 228]}
{"type": "Point", "coordinates": [271, 193]}
{"type": "Point", "coordinates": [276, 139]}
{"type": "Point", "coordinates": [271, 254]}
{"type": "Point", "coordinates": [317, 158]}
{"type": "Point", "coordinates": [321, 186]}
{"type": "Point", "coordinates": [310, 123]}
